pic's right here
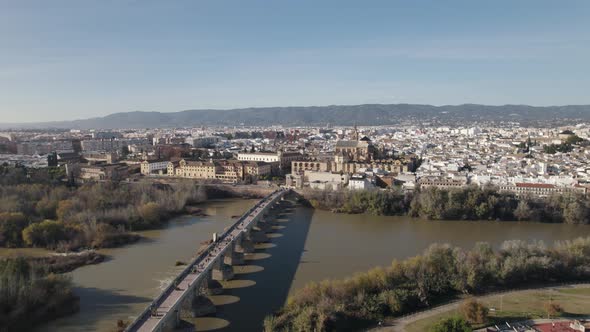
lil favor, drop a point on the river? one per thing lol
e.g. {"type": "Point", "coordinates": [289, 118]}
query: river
{"type": "Point", "coordinates": [308, 245]}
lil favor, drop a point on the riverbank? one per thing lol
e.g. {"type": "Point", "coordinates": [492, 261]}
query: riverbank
{"type": "Point", "coordinates": [469, 203]}
{"type": "Point", "coordinates": [29, 295]}
{"type": "Point", "coordinates": [64, 263]}
{"type": "Point", "coordinates": [440, 273]}
{"type": "Point", "coordinates": [52, 262]}
{"type": "Point", "coordinates": [133, 275]}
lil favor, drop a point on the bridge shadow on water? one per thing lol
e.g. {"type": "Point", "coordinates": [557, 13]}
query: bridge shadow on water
{"type": "Point", "coordinates": [100, 309]}
{"type": "Point", "coordinates": [268, 287]}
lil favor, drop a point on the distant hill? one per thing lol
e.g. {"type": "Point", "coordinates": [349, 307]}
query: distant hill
{"type": "Point", "coordinates": [374, 114]}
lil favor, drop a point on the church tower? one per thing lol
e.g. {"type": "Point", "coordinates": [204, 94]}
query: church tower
{"type": "Point", "coordinates": [355, 135]}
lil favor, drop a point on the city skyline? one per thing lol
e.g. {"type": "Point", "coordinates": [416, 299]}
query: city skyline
{"type": "Point", "coordinates": [68, 60]}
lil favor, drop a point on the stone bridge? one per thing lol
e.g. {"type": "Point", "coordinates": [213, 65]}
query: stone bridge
{"type": "Point", "coordinates": [186, 294]}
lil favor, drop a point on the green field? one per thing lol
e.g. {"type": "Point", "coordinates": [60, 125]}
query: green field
{"type": "Point", "coordinates": [521, 305]}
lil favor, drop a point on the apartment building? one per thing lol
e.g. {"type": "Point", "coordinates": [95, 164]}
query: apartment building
{"type": "Point", "coordinates": [229, 171]}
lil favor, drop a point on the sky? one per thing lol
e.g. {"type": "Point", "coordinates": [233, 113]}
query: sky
{"type": "Point", "coordinates": [65, 60]}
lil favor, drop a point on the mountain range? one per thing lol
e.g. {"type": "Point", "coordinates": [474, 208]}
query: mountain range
{"type": "Point", "coordinates": [367, 114]}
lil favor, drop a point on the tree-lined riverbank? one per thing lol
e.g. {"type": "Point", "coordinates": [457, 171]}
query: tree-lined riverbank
{"type": "Point", "coordinates": [30, 295]}
{"type": "Point", "coordinates": [440, 273]}
{"type": "Point", "coordinates": [470, 203]}
{"type": "Point", "coordinates": [94, 215]}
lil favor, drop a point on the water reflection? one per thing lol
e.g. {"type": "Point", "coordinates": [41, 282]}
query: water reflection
{"type": "Point", "coordinates": [104, 303]}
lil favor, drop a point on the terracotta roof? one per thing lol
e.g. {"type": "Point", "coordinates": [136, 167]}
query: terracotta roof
{"type": "Point", "coordinates": [534, 185]}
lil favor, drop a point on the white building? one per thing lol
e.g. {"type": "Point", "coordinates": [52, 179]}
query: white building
{"type": "Point", "coordinates": [202, 142]}
{"type": "Point", "coordinates": [283, 158]}
{"type": "Point", "coordinates": [326, 180]}
{"type": "Point", "coordinates": [360, 182]}
{"type": "Point", "coordinates": [149, 167]}
{"type": "Point", "coordinates": [268, 157]}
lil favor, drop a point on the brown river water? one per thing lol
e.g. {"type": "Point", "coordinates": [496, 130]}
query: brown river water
{"type": "Point", "coordinates": [308, 245]}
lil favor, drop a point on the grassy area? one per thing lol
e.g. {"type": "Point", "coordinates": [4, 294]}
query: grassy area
{"type": "Point", "coordinates": [521, 305]}
{"type": "Point", "coordinates": [424, 324]}
{"type": "Point", "coordinates": [575, 291]}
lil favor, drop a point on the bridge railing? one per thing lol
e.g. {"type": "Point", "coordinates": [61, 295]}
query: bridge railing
{"type": "Point", "coordinates": [170, 288]}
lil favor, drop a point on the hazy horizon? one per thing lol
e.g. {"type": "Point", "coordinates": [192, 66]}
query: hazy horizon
{"type": "Point", "coordinates": [288, 106]}
{"type": "Point", "coordinates": [65, 60]}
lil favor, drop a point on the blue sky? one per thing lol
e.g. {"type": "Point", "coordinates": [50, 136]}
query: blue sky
{"type": "Point", "coordinates": [76, 59]}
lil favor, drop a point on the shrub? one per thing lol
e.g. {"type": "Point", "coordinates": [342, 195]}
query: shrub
{"type": "Point", "coordinates": [553, 309]}
{"type": "Point", "coordinates": [453, 324]}
{"type": "Point", "coordinates": [474, 312]}
{"type": "Point", "coordinates": [44, 234]}
{"type": "Point", "coordinates": [11, 227]}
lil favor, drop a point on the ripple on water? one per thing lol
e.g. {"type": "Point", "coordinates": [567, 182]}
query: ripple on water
{"type": "Point", "coordinates": [163, 283]}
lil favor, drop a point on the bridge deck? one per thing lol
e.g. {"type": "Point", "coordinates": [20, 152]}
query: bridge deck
{"type": "Point", "coordinates": [169, 301]}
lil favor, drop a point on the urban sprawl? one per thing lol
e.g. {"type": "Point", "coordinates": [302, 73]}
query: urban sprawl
{"type": "Point", "coordinates": [515, 159]}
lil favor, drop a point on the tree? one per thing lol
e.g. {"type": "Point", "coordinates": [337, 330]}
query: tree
{"type": "Point", "coordinates": [452, 324]}
{"type": "Point", "coordinates": [46, 208]}
{"type": "Point", "coordinates": [11, 227]}
{"type": "Point", "coordinates": [150, 213]}
{"type": "Point", "coordinates": [573, 139]}
{"type": "Point", "coordinates": [523, 211]}
{"type": "Point", "coordinates": [64, 209]}
{"type": "Point", "coordinates": [575, 212]}
{"type": "Point", "coordinates": [474, 312]}
{"type": "Point", "coordinates": [45, 234]}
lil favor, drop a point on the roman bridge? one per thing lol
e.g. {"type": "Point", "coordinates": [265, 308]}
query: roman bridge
{"type": "Point", "coordinates": [186, 294]}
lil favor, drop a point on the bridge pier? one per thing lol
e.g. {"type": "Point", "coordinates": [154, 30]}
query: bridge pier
{"type": "Point", "coordinates": [232, 257]}
{"type": "Point", "coordinates": [197, 306]}
{"type": "Point", "coordinates": [213, 287]}
{"type": "Point", "coordinates": [244, 245]}
{"type": "Point", "coordinates": [258, 236]}
{"type": "Point", "coordinates": [222, 271]}
{"type": "Point", "coordinates": [264, 226]}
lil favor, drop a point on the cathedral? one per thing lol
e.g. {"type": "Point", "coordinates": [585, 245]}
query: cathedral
{"type": "Point", "coordinates": [351, 156]}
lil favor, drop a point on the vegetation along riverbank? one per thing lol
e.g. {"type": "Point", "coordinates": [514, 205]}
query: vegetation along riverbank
{"type": "Point", "coordinates": [29, 295]}
{"type": "Point", "coordinates": [470, 203]}
{"type": "Point", "coordinates": [441, 273]}
{"type": "Point", "coordinates": [94, 215]}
